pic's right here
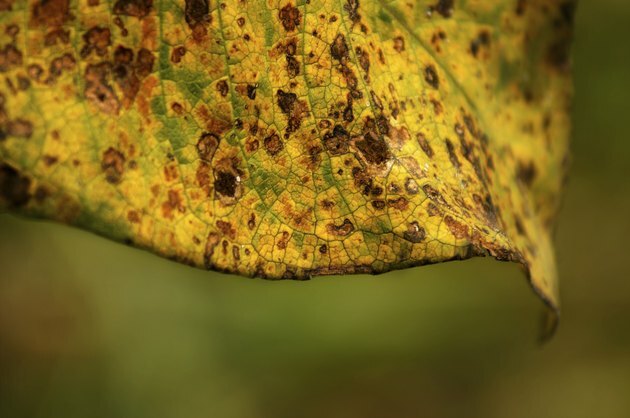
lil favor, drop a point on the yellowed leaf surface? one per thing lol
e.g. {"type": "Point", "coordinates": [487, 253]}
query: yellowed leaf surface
{"type": "Point", "coordinates": [286, 139]}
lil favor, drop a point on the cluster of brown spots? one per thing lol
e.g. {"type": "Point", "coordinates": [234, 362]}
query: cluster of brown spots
{"type": "Point", "coordinates": [96, 39]}
{"type": "Point", "coordinates": [458, 229]}
{"type": "Point", "coordinates": [57, 66]}
{"type": "Point", "coordinates": [207, 146]}
{"type": "Point", "coordinates": [436, 40]}
{"type": "Point", "coordinates": [365, 182]}
{"type": "Point", "coordinates": [136, 8]}
{"type": "Point", "coordinates": [295, 109]}
{"type": "Point", "coordinates": [121, 25]}
{"type": "Point", "coordinates": [482, 40]}
{"type": "Point", "coordinates": [337, 141]}
{"type": "Point", "coordinates": [371, 142]}
{"type": "Point", "coordinates": [399, 44]}
{"type": "Point", "coordinates": [14, 187]}
{"type": "Point", "coordinates": [431, 76]}
{"type": "Point", "coordinates": [223, 88]}
{"type": "Point", "coordinates": [400, 203]}
{"type": "Point", "coordinates": [50, 13]}
{"type": "Point", "coordinates": [10, 57]}
{"type": "Point", "coordinates": [128, 73]}
{"type": "Point", "coordinates": [173, 203]}
{"type": "Point", "coordinates": [290, 17]}
{"type": "Point", "coordinates": [293, 65]}
{"type": "Point", "coordinates": [57, 35]}
{"type": "Point", "coordinates": [273, 144]}
{"type": "Point", "coordinates": [177, 54]}
{"type": "Point", "coordinates": [340, 230]}
{"type": "Point", "coordinates": [197, 14]}
{"type": "Point", "coordinates": [283, 240]}
{"type": "Point", "coordinates": [113, 165]}
{"type": "Point", "coordinates": [443, 7]}
{"type": "Point", "coordinates": [226, 229]}
{"type": "Point", "coordinates": [414, 233]}
{"type": "Point", "coordinates": [252, 145]}
{"type": "Point", "coordinates": [352, 7]}
{"type": "Point", "coordinates": [98, 91]}
{"type": "Point", "coordinates": [364, 62]}
{"type": "Point", "coordinates": [435, 196]}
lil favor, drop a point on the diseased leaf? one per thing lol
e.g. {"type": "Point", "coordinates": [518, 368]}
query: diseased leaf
{"type": "Point", "coordinates": [287, 139]}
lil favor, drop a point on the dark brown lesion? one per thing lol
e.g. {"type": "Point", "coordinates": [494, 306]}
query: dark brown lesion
{"type": "Point", "coordinates": [10, 57]}
{"type": "Point", "coordinates": [96, 39]}
{"type": "Point", "coordinates": [225, 183]}
{"type": "Point", "coordinates": [207, 146]}
{"type": "Point", "coordinates": [290, 17]}
{"type": "Point", "coordinates": [342, 230]}
{"type": "Point", "coordinates": [443, 7]}
{"type": "Point", "coordinates": [98, 91]}
{"type": "Point", "coordinates": [113, 165]}
{"type": "Point", "coordinates": [14, 187]}
{"type": "Point", "coordinates": [414, 233]}
{"type": "Point", "coordinates": [136, 8]}
{"type": "Point", "coordinates": [50, 13]}
{"type": "Point", "coordinates": [273, 144]}
{"type": "Point", "coordinates": [431, 76]}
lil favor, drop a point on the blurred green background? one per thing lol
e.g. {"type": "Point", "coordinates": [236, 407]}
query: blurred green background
{"type": "Point", "coordinates": [90, 328]}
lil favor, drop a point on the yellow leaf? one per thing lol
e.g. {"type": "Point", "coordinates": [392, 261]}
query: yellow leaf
{"type": "Point", "coordinates": [287, 139]}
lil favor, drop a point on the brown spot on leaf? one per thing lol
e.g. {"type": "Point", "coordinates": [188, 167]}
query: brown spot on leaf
{"type": "Point", "coordinates": [20, 128]}
{"type": "Point", "coordinates": [337, 141]}
{"type": "Point", "coordinates": [251, 222]}
{"type": "Point", "coordinates": [14, 187]}
{"type": "Point", "coordinates": [400, 203]}
{"type": "Point", "coordinates": [290, 17]}
{"type": "Point", "coordinates": [225, 183]}
{"type": "Point", "coordinates": [97, 89]}
{"type": "Point", "coordinates": [399, 44]}
{"type": "Point", "coordinates": [207, 146]}
{"type": "Point", "coordinates": [341, 230]}
{"type": "Point", "coordinates": [414, 233]}
{"type": "Point", "coordinates": [283, 241]}
{"type": "Point", "coordinates": [431, 76]}
{"type": "Point", "coordinates": [482, 40]}
{"type": "Point", "coordinates": [10, 57]}
{"type": "Point", "coordinates": [136, 8]}
{"type": "Point", "coordinates": [443, 7]}
{"type": "Point", "coordinates": [458, 229]}
{"type": "Point", "coordinates": [50, 13]}
{"type": "Point", "coordinates": [177, 54]}
{"type": "Point", "coordinates": [526, 173]}
{"type": "Point", "coordinates": [113, 165]}
{"type": "Point", "coordinates": [96, 39]}
{"type": "Point", "coordinates": [226, 229]}
{"type": "Point", "coordinates": [222, 88]}
{"type": "Point", "coordinates": [452, 155]}
{"type": "Point", "coordinates": [339, 48]}
{"type": "Point", "coordinates": [213, 240]}
{"type": "Point", "coordinates": [273, 144]}
{"type": "Point", "coordinates": [424, 144]}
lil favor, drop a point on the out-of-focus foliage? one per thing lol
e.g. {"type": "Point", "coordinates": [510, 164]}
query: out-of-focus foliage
{"type": "Point", "coordinates": [285, 139]}
{"type": "Point", "coordinates": [82, 335]}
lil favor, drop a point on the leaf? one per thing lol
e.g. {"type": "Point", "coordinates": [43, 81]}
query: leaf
{"type": "Point", "coordinates": [286, 139]}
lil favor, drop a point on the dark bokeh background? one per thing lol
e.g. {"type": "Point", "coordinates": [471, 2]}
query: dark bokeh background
{"type": "Point", "coordinates": [89, 328]}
